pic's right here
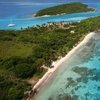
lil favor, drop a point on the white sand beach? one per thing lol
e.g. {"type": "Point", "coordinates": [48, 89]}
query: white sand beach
{"type": "Point", "coordinates": [49, 74]}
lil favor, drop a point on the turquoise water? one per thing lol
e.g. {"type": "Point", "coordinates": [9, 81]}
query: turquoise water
{"type": "Point", "coordinates": [78, 78]}
{"type": "Point", "coordinates": [20, 13]}
{"type": "Point", "coordinates": [25, 22]}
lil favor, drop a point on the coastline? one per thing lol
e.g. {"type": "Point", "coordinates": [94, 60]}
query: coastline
{"type": "Point", "coordinates": [49, 74]}
{"type": "Point", "coordinates": [44, 20]}
{"type": "Point", "coordinates": [44, 16]}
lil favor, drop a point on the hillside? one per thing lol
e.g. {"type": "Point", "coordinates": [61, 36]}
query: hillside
{"type": "Point", "coordinates": [22, 53]}
{"type": "Point", "coordinates": [74, 7]}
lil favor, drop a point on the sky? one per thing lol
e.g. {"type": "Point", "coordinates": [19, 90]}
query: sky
{"type": "Point", "coordinates": [52, 1]}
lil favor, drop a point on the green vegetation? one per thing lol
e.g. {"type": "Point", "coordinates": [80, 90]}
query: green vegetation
{"type": "Point", "coordinates": [22, 53]}
{"type": "Point", "coordinates": [74, 7]}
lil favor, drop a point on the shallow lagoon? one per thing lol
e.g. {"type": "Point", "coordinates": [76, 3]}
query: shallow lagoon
{"type": "Point", "coordinates": [78, 78]}
{"type": "Point", "coordinates": [25, 22]}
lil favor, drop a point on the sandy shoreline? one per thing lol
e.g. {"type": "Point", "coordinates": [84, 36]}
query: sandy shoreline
{"type": "Point", "coordinates": [50, 72]}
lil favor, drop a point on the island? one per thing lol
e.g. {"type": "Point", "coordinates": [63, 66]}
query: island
{"type": "Point", "coordinates": [27, 54]}
{"type": "Point", "coordinates": [23, 53]}
{"type": "Point", "coordinates": [74, 7]}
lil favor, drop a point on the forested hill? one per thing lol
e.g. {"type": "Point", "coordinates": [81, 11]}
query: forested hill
{"type": "Point", "coordinates": [65, 8]}
{"type": "Point", "coordinates": [23, 52]}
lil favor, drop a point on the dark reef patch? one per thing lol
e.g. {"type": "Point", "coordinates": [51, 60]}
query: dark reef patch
{"type": "Point", "coordinates": [71, 82]}
{"type": "Point", "coordinates": [86, 75]}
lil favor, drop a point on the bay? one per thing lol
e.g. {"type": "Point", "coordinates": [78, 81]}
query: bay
{"type": "Point", "coordinates": [21, 13]}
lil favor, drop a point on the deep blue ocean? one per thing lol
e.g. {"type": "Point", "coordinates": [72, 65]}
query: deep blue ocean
{"type": "Point", "coordinates": [20, 13]}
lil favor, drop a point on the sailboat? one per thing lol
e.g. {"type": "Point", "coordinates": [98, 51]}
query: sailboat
{"type": "Point", "coordinates": [11, 24]}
